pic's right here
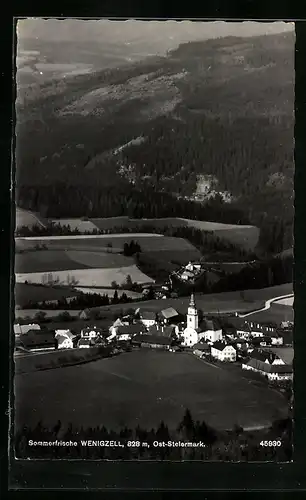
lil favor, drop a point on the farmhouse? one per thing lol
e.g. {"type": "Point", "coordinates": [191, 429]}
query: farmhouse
{"type": "Point", "coordinates": [223, 352]}
{"type": "Point", "coordinates": [277, 339]}
{"type": "Point", "coordinates": [85, 343]}
{"type": "Point", "coordinates": [85, 314]}
{"type": "Point", "coordinates": [169, 314]}
{"type": "Point", "coordinates": [91, 332]}
{"type": "Point", "coordinates": [164, 331]}
{"type": "Point", "coordinates": [148, 318]}
{"type": "Point", "coordinates": [260, 330]}
{"type": "Point", "coordinates": [241, 326]}
{"type": "Point", "coordinates": [201, 349]}
{"type": "Point", "coordinates": [65, 339]}
{"type": "Point", "coordinates": [266, 357]}
{"type": "Point", "coordinates": [126, 332]}
{"type": "Point", "coordinates": [153, 341]}
{"type": "Point", "coordinates": [286, 354]}
{"type": "Point", "coordinates": [38, 340]}
{"type": "Point", "coordinates": [272, 372]}
{"type": "Point", "coordinates": [21, 329]}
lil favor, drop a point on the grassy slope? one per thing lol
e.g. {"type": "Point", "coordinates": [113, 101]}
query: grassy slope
{"type": "Point", "coordinates": [144, 387]}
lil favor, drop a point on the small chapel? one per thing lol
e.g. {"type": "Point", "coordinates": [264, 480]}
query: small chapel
{"type": "Point", "coordinates": [193, 333]}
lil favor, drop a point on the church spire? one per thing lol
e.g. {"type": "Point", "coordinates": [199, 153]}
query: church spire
{"type": "Point", "coordinates": [192, 301]}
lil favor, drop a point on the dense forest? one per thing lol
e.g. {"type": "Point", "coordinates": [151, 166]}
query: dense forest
{"type": "Point", "coordinates": [235, 445]}
{"type": "Point", "coordinates": [216, 112]}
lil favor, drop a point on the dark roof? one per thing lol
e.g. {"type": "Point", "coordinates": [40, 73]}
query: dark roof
{"type": "Point", "coordinates": [170, 312]}
{"type": "Point", "coordinates": [85, 342]}
{"type": "Point", "coordinates": [161, 331]}
{"type": "Point", "coordinates": [238, 323]}
{"type": "Point", "coordinates": [209, 324]}
{"type": "Point", "coordinates": [88, 329]}
{"type": "Point", "coordinates": [38, 338]}
{"type": "Point", "coordinates": [263, 355]}
{"type": "Point", "coordinates": [147, 315]}
{"type": "Point", "coordinates": [201, 346]}
{"type": "Point", "coordinates": [265, 367]}
{"type": "Point", "coordinates": [220, 345]}
{"type": "Point", "coordinates": [152, 339]}
{"type": "Point", "coordinates": [130, 329]}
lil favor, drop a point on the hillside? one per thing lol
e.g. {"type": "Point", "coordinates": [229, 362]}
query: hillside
{"type": "Point", "coordinates": [205, 132]}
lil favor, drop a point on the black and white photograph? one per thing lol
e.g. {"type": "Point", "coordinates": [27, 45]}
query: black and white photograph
{"type": "Point", "coordinates": [153, 308]}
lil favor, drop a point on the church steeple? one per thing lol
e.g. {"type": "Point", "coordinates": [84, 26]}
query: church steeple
{"type": "Point", "coordinates": [192, 315]}
{"type": "Point", "coordinates": [192, 301]}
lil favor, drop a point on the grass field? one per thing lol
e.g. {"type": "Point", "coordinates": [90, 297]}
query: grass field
{"type": "Point", "coordinates": [87, 277]}
{"type": "Point", "coordinates": [61, 260]}
{"type": "Point", "coordinates": [275, 314]}
{"type": "Point", "coordinates": [27, 218]}
{"type": "Point", "coordinates": [26, 292]}
{"type": "Point", "coordinates": [148, 242]}
{"type": "Point", "coordinates": [144, 387]}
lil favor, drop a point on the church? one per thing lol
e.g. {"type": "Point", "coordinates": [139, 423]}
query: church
{"type": "Point", "coordinates": [194, 332]}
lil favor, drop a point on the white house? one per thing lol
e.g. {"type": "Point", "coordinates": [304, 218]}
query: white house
{"type": "Point", "coordinates": [169, 314]}
{"type": "Point", "coordinates": [148, 318]}
{"type": "Point", "coordinates": [223, 352]}
{"type": "Point", "coordinates": [277, 339]}
{"type": "Point", "coordinates": [90, 332]}
{"type": "Point", "coordinates": [64, 339]}
{"type": "Point", "coordinates": [210, 330]}
{"type": "Point", "coordinates": [272, 372]}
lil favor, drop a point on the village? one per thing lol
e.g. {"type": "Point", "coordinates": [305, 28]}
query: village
{"type": "Point", "coordinates": [257, 347]}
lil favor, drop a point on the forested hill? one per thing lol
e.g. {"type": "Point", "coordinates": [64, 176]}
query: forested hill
{"type": "Point", "coordinates": [211, 117]}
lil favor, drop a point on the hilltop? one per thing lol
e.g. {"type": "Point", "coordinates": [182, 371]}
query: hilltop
{"type": "Point", "coordinates": [211, 123]}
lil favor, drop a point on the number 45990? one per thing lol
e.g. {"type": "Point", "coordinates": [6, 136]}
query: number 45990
{"type": "Point", "coordinates": [270, 443]}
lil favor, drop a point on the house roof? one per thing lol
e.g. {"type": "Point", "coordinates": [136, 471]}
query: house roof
{"type": "Point", "coordinates": [238, 323]}
{"type": "Point", "coordinates": [148, 315]}
{"type": "Point", "coordinates": [170, 312]}
{"type": "Point", "coordinates": [263, 355]}
{"type": "Point", "coordinates": [118, 322]}
{"type": "Point", "coordinates": [130, 329]}
{"type": "Point", "coordinates": [62, 338]}
{"type": "Point", "coordinates": [85, 342]}
{"type": "Point", "coordinates": [201, 346]}
{"type": "Point", "coordinates": [38, 338]}
{"type": "Point", "coordinates": [64, 333]}
{"type": "Point", "coordinates": [209, 324]}
{"type": "Point", "coordinates": [161, 331]}
{"type": "Point", "coordinates": [152, 339]}
{"type": "Point", "coordinates": [89, 329]}
{"type": "Point", "coordinates": [266, 368]}
{"type": "Point", "coordinates": [284, 353]}
{"type": "Point", "coordinates": [220, 346]}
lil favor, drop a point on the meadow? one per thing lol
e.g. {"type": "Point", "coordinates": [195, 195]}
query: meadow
{"type": "Point", "coordinates": [27, 218]}
{"type": "Point", "coordinates": [87, 277]}
{"type": "Point", "coordinates": [36, 293]}
{"type": "Point", "coordinates": [61, 260]}
{"type": "Point", "coordinates": [144, 387]}
{"type": "Point", "coordinates": [275, 314]}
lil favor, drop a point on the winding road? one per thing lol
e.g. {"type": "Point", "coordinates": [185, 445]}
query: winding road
{"type": "Point", "coordinates": [267, 305]}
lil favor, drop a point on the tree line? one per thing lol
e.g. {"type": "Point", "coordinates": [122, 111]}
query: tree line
{"type": "Point", "coordinates": [204, 241]}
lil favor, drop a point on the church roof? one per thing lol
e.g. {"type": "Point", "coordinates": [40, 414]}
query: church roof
{"type": "Point", "coordinates": [209, 324]}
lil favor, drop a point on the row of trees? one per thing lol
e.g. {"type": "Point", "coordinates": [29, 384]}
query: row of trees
{"type": "Point", "coordinates": [81, 301]}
